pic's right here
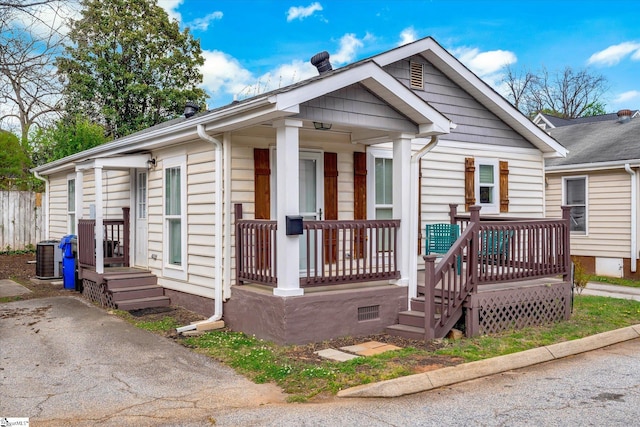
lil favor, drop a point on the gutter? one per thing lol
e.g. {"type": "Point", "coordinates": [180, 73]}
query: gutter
{"type": "Point", "coordinates": [582, 167]}
{"type": "Point", "coordinates": [218, 236]}
{"type": "Point", "coordinates": [45, 201]}
{"type": "Point", "coordinates": [634, 216]}
{"type": "Point", "coordinates": [413, 214]}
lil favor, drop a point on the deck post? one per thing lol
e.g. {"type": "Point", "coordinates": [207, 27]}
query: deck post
{"type": "Point", "coordinates": [566, 216]}
{"type": "Point", "coordinates": [453, 212]}
{"type": "Point", "coordinates": [472, 259]}
{"type": "Point", "coordinates": [237, 210]}
{"type": "Point", "coordinates": [429, 296]}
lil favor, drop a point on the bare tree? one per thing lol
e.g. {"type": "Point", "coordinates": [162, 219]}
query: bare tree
{"type": "Point", "coordinates": [31, 38]}
{"type": "Point", "coordinates": [568, 94]}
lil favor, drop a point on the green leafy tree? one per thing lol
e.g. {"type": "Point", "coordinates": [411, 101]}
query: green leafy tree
{"type": "Point", "coordinates": [14, 162]}
{"type": "Point", "coordinates": [129, 67]}
{"type": "Point", "coordinates": [68, 136]}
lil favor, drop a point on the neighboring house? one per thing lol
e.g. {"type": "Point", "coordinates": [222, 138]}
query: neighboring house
{"type": "Point", "coordinates": [301, 208]}
{"type": "Point", "coordinates": [599, 180]}
{"type": "Point", "coordinates": [548, 121]}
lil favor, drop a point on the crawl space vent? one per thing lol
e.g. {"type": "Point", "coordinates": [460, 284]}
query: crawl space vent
{"type": "Point", "coordinates": [370, 312]}
{"type": "Point", "coordinates": [417, 72]}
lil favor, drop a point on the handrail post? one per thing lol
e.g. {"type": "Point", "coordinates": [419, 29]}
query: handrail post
{"type": "Point", "coordinates": [453, 212]}
{"type": "Point", "coordinates": [429, 300]}
{"type": "Point", "coordinates": [472, 263]}
{"type": "Point", "coordinates": [566, 216]}
{"type": "Point", "coordinates": [125, 237]}
{"type": "Point", "coordinates": [237, 210]}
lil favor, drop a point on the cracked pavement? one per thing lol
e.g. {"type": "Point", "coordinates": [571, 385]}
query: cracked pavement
{"type": "Point", "coordinates": [66, 362]}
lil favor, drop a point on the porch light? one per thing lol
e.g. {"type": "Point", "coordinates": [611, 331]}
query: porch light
{"type": "Point", "coordinates": [151, 163]}
{"type": "Point", "coordinates": [321, 126]}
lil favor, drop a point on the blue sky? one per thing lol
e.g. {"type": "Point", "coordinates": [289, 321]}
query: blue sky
{"type": "Point", "coordinates": [254, 45]}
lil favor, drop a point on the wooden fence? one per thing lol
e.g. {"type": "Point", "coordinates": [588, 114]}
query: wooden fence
{"type": "Point", "coordinates": [21, 220]}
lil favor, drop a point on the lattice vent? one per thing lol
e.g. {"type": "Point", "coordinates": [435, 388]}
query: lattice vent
{"type": "Point", "coordinates": [417, 75]}
{"type": "Point", "coordinates": [370, 312]}
{"type": "Point", "coordinates": [97, 293]}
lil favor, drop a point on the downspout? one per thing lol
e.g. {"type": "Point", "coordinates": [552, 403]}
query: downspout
{"type": "Point", "coordinates": [634, 216]}
{"type": "Point", "coordinates": [413, 214]}
{"type": "Point", "coordinates": [217, 315]}
{"type": "Point", "coordinates": [46, 203]}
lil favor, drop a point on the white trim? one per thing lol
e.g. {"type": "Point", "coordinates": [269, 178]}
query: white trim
{"type": "Point", "coordinates": [586, 167]}
{"type": "Point", "coordinates": [171, 270]}
{"type": "Point", "coordinates": [586, 201]}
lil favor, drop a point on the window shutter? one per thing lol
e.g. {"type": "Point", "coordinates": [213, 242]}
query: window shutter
{"type": "Point", "coordinates": [262, 183]}
{"type": "Point", "coordinates": [330, 205]}
{"type": "Point", "coordinates": [469, 182]}
{"type": "Point", "coordinates": [504, 186]}
{"type": "Point", "coordinates": [359, 198]}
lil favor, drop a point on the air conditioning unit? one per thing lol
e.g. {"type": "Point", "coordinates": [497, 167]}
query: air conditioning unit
{"type": "Point", "coordinates": [48, 260]}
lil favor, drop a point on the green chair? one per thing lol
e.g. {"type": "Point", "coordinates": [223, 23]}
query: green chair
{"type": "Point", "coordinates": [440, 237]}
{"type": "Point", "coordinates": [494, 245]}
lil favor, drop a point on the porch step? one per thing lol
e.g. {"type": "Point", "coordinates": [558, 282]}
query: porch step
{"type": "Point", "coordinates": [417, 304]}
{"type": "Point", "coordinates": [411, 318]}
{"type": "Point", "coordinates": [115, 281]}
{"type": "Point", "coordinates": [406, 331]}
{"type": "Point", "coordinates": [136, 292]}
{"type": "Point", "coordinates": [150, 302]}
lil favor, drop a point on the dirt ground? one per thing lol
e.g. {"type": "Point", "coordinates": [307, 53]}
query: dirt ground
{"type": "Point", "coordinates": [21, 269]}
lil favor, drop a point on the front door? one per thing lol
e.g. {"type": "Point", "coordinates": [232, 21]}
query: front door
{"type": "Point", "coordinates": [311, 195]}
{"type": "Point", "coordinates": [140, 222]}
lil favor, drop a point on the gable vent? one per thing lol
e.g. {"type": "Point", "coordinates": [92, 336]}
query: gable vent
{"type": "Point", "coordinates": [417, 75]}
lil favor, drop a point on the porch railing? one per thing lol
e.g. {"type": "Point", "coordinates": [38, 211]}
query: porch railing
{"type": "Point", "coordinates": [332, 252]}
{"type": "Point", "coordinates": [115, 243]}
{"type": "Point", "coordinates": [492, 251]}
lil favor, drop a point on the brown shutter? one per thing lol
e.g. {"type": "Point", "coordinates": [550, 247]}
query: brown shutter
{"type": "Point", "coordinates": [469, 182]}
{"type": "Point", "coordinates": [504, 186]}
{"type": "Point", "coordinates": [262, 199]}
{"type": "Point", "coordinates": [262, 183]}
{"type": "Point", "coordinates": [330, 205]}
{"type": "Point", "coordinates": [359, 198]}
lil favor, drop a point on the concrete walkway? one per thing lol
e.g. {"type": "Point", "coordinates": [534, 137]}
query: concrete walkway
{"type": "Point", "coordinates": [613, 291]}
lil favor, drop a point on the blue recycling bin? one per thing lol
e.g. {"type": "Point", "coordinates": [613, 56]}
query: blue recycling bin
{"type": "Point", "coordinates": [68, 262]}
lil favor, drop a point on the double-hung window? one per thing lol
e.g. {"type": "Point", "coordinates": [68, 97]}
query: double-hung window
{"type": "Point", "coordinates": [175, 224]}
{"type": "Point", "coordinates": [575, 196]}
{"type": "Point", "coordinates": [381, 185]}
{"type": "Point", "coordinates": [71, 205]}
{"type": "Point", "coordinates": [487, 184]}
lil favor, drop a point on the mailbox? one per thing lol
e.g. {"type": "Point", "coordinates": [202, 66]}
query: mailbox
{"type": "Point", "coordinates": [294, 225]}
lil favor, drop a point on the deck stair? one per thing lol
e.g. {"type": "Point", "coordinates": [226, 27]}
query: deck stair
{"type": "Point", "coordinates": [135, 290]}
{"type": "Point", "coordinates": [411, 323]}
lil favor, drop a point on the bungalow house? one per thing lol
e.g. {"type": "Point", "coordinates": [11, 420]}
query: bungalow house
{"type": "Point", "coordinates": [298, 214]}
{"type": "Point", "coordinates": [599, 181]}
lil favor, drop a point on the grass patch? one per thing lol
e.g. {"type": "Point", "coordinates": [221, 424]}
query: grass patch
{"type": "Point", "coordinates": [616, 281]}
{"type": "Point", "coordinates": [303, 378]}
{"type": "Point", "coordinates": [163, 325]}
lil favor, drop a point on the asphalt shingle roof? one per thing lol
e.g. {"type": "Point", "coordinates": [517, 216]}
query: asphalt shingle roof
{"type": "Point", "coordinates": [600, 141]}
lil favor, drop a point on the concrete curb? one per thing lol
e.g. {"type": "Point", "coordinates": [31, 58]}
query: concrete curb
{"type": "Point", "coordinates": [482, 368]}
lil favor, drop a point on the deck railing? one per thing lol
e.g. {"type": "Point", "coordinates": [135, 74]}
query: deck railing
{"type": "Point", "coordinates": [492, 251]}
{"type": "Point", "coordinates": [115, 242]}
{"type": "Point", "coordinates": [332, 252]}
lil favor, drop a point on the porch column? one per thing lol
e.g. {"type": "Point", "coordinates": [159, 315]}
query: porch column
{"type": "Point", "coordinates": [402, 202]}
{"type": "Point", "coordinates": [79, 197]}
{"type": "Point", "coordinates": [287, 203]}
{"type": "Point", "coordinates": [99, 221]}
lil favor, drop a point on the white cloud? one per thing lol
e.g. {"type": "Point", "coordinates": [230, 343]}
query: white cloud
{"type": "Point", "coordinates": [349, 44]}
{"type": "Point", "coordinates": [614, 54]}
{"type": "Point", "coordinates": [223, 74]}
{"type": "Point", "coordinates": [632, 95]}
{"type": "Point", "coordinates": [407, 36]}
{"type": "Point", "coordinates": [301, 12]}
{"type": "Point", "coordinates": [171, 7]}
{"type": "Point", "coordinates": [484, 63]}
{"type": "Point", "coordinates": [203, 23]}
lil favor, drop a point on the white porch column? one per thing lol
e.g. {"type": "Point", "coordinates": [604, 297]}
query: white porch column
{"type": "Point", "coordinates": [402, 202]}
{"type": "Point", "coordinates": [287, 203]}
{"type": "Point", "coordinates": [79, 196]}
{"type": "Point", "coordinates": [99, 221]}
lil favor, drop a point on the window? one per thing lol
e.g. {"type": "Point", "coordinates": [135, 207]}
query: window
{"type": "Point", "coordinates": [487, 185]}
{"type": "Point", "coordinates": [175, 233]}
{"type": "Point", "coordinates": [381, 191]}
{"type": "Point", "coordinates": [71, 205]}
{"type": "Point", "coordinates": [575, 196]}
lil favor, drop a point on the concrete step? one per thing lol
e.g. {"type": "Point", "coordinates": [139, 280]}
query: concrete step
{"type": "Point", "coordinates": [405, 331]}
{"type": "Point", "coordinates": [411, 318]}
{"type": "Point", "coordinates": [136, 292]}
{"type": "Point", "coordinates": [151, 302]}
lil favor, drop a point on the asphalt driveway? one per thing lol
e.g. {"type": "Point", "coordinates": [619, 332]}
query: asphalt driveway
{"type": "Point", "coordinates": [65, 362]}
